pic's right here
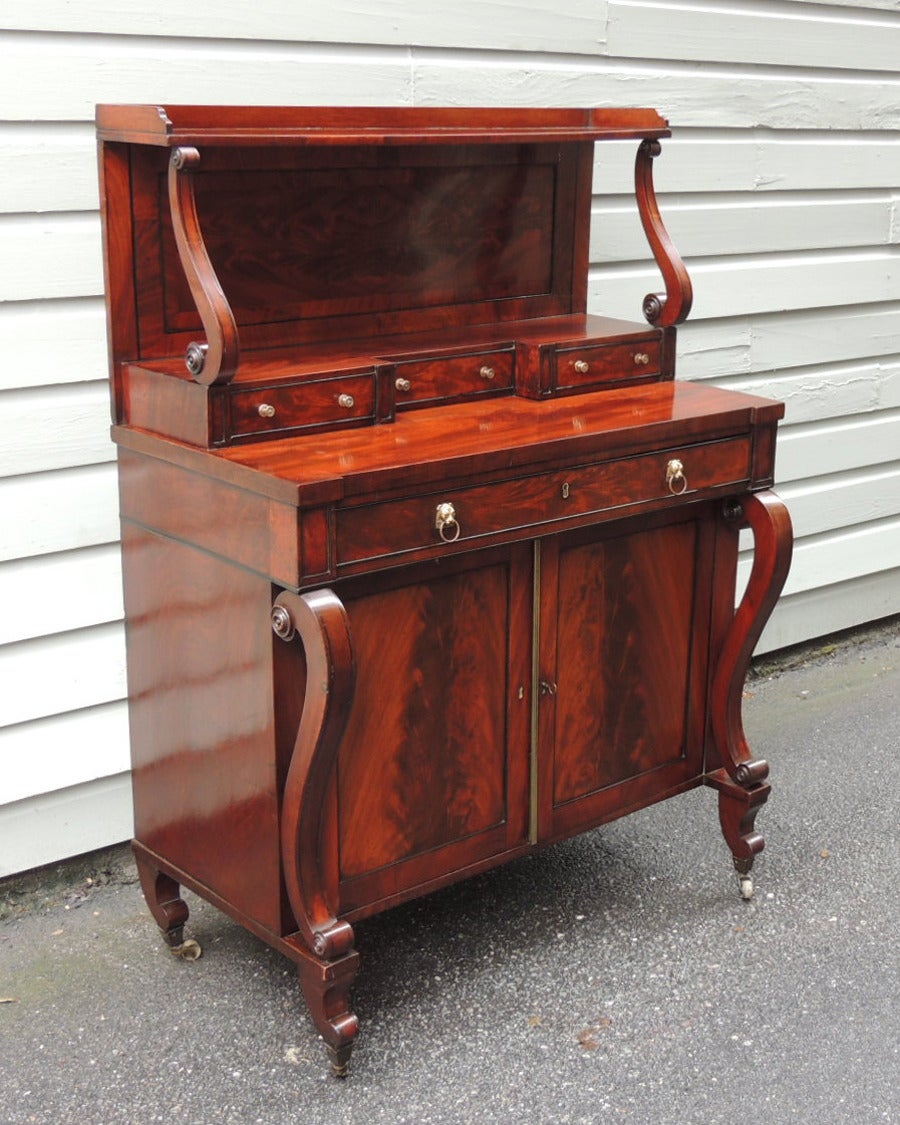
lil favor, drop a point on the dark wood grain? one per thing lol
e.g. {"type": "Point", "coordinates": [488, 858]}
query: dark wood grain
{"type": "Point", "coordinates": [368, 126]}
{"type": "Point", "coordinates": [202, 733]}
{"type": "Point", "coordinates": [497, 541]}
{"type": "Point", "coordinates": [675, 306]}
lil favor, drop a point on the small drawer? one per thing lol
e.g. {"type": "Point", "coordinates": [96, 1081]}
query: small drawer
{"type": "Point", "coordinates": [305, 405]}
{"type": "Point", "coordinates": [587, 365]}
{"type": "Point", "coordinates": [423, 524]}
{"type": "Point", "coordinates": [441, 378]}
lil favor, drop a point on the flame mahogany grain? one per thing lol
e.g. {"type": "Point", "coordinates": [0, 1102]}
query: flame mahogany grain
{"type": "Point", "coordinates": [425, 565]}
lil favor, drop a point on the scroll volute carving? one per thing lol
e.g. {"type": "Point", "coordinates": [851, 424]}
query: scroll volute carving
{"type": "Point", "coordinates": [216, 360]}
{"type": "Point", "coordinates": [673, 306]}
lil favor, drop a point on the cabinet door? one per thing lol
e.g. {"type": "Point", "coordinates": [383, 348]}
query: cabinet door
{"type": "Point", "coordinates": [433, 768]}
{"type": "Point", "coordinates": [623, 656]}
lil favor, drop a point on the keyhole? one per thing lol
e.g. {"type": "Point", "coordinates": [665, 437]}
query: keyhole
{"type": "Point", "coordinates": [565, 490]}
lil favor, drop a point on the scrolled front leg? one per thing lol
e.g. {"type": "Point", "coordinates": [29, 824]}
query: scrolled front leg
{"type": "Point", "coordinates": [170, 911]}
{"type": "Point", "coordinates": [742, 784]}
{"type": "Point", "coordinates": [328, 962]}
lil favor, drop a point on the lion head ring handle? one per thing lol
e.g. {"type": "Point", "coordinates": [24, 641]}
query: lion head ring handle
{"type": "Point", "coordinates": [446, 522]}
{"type": "Point", "coordinates": [675, 478]}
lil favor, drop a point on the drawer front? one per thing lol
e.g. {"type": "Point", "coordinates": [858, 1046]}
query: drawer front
{"type": "Point", "coordinates": [298, 406]}
{"type": "Point", "coordinates": [420, 382]}
{"type": "Point", "coordinates": [587, 365]}
{"type": "Point", "coordinates": [534, 504]}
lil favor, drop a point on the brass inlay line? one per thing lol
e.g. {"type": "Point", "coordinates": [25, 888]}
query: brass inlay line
{"type": "Point", "coordinates": [535, 692]}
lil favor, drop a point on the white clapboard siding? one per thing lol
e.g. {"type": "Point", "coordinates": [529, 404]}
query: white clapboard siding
{"type": "Point", "coordinates": [64, 823]}
{"type": "Point", "coordinates": [58, 511]}
{"type": "Point", "coordinates": [763, 283]}
{"type": "Point", "coordinates": [50, 255]}
{"type": "Point", "coordinates": [43, 428]}
{"type": "Point", "coordinates": [64, 750]}
{"type": "Point", "coordinates": [773, 34]}
{"type": "Point", "coordinates": [840, 555]}
{"type": "Point", "coordinates": [804, 338]}
{"type": "Point", "coordinates": [688, 95]}
{"type": "Point", "coordinates": [48, 167]}
{"type": "Point", "coordinates": [842, 604]}
{"type": "Point", "coordinates": [836, 444]}
{"type": "Point", "coordinates": [89, 581]}
{"type": "Point", "coordinates": [841, 500]}
{"type": "Point", "coordinates": [757, 160]}
{"type": "Point", "coordinates": [780, 187]}
{"type": "Point", "coordinates": [52, 341]}
{"type": "Point", "coordinates": [66, 672]}
{"type": "Point", "coordinates": [525, 25]}
{"type": "Point", "coordinates": [66, 75]}
{"type": "Point", "coordinates": [69, 74]}
{"type": "Point", "coordinates": [703, 225]}
{"type": "Point", "coordinates": [883, 5]}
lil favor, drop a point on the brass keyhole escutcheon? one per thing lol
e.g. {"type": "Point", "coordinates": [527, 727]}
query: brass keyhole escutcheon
{"type": "Point", "coordinates": [566, 490]}
{"type": "Point", "coordinates": [675, 478]}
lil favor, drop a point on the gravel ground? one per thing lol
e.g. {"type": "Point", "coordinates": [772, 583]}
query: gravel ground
{"type": "Point", "coordinates": [618, 976]}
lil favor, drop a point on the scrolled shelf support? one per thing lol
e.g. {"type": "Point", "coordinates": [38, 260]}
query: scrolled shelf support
{"type": "Point", "coordinates": [215, 361]}
{"type": "Point", "coordinates": [674, 305]}
{"type": "Point", "coordinates": [309, 856]}
{"type": "Point", "coordinates": [742, 782]}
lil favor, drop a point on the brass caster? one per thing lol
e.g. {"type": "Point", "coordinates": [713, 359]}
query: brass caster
{"type": "Point", "coordinates": [340, 1060]}
{"type": "Point", "coordinates": [746, 887]}
{"type": "Point", "coordinates": [188, 950]}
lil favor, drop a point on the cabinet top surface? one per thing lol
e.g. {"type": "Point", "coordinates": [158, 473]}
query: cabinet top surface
{"type": "Point", "coordinates": [369, 125]}
{"type": "Point", "coordinates": [473, 439]}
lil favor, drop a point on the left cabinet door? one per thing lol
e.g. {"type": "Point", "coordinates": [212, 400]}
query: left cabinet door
{"type": "Point", "coordinates": [433, 771]}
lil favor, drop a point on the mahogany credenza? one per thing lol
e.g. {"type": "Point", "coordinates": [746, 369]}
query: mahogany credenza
{"type": "Point", "coordinates": [425, 567]}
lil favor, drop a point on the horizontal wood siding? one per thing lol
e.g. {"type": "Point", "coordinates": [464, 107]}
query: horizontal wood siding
{"type": "Point", "coordinates": [781, 188]}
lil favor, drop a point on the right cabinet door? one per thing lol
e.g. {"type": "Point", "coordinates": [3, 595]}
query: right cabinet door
{"type": "Point", "coordinates": [622, 668]}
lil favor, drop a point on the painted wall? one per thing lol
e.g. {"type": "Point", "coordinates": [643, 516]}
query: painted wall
{"type": "Point", "coordinates": [780, 188]}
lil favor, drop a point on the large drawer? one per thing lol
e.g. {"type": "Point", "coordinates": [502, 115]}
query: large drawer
{"type": "Point", "coordinates": [427, 523]}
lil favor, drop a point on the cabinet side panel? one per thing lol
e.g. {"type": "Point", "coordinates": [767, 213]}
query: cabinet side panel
{"type": "Point", "coordinates": [626, 611]}
{"type": "Point", "coordinates": [424, 763]}
{"type": "Point", "coordinates": [200, 709]}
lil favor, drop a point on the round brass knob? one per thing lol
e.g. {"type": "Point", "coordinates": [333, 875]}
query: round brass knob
{"type": "Point", "coordinates": [446, 523]}
{"type": "Point", "coordinates": [641, 359]}
{"type": "Point", "coordinates": [403, 384]}
{"type": "Point", "coordinates": [347, 401]}
{"type": "Point", "coordinates": [266, 410]}
{"type": "Point", "coordinates": [582, 366]}
{"type": "Point", "coordinates": [487, 372]}
{"type": "Point", "coordinates": [675, 478]}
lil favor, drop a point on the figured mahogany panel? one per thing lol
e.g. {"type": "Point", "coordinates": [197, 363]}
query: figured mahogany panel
{"type": "Point", "coordinates": [424, 762]}
{"type": "Point", "coordinates": [200, 710]}
{"type": "Point", "coordinates": [319, 244]}
{"type": "Point", "coordinates": [626, 613]}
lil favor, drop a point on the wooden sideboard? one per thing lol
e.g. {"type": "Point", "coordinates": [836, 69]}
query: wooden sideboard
{"type": "Point", "coordinates": [425, 567]}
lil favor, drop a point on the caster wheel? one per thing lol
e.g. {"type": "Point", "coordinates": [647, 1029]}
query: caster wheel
{"type": "Point", "coordinates": [188, 950]}
{"type": "Point", "coordinates": [746, 888]}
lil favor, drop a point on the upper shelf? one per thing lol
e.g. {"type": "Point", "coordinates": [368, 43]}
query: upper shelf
{"type": "Point", "coordinates": [171, 126]}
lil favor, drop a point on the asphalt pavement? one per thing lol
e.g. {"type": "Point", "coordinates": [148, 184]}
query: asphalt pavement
{"type": "Point", "coordinates": [615, 977]}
